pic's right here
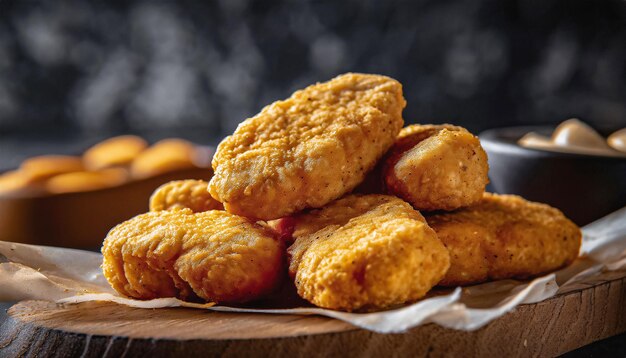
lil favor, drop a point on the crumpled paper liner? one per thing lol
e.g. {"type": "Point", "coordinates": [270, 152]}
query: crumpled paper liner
{"type": "Point", "coordinates": [29, 272]}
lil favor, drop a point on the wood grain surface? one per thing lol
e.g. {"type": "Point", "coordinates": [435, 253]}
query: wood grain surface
{"type": "Point", "coordinates": [587, 313]}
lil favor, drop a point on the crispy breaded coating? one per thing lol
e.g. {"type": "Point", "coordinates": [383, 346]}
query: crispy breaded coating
{"type": "Point", "coordinates": [213, 255]}
{"type": "Point", "coordinates": [178, 194]}
{"type": "Point", "coordinates": [116, 151]}
{"type": "Point", "coordinates": [436, 167]}
{"type": "Point", "coordinates": [46, 166]}
{"type": "Point", "coordinates": [365, 252]}
{"type": "Point", "coordinates": [505, 236]}
{"type": "Point", "coordinates": [164, 156]}
{"type": "Point", "coordinates": [86, 181]}
{"type": "Point", "coordinates": [309, 149]}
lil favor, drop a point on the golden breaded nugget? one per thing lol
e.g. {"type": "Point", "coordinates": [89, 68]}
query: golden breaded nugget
{"type": "Point", "coordinates": [213, 255]}
{"type": "Point", "coordinates": [12, 182]}
{"type": "Point", "coordinates": [46, 166]}
{"type": "Point", "coordinates": [309, 149]}
{"type": "Point", "coordinates": [505, 236]}
{"type": "Point", "coordinates": [436, 167]}
{"type": "Point", "coordinates": [365, 252]}
{"type": "Point", "coordinates": [164, 156]}
{"type": "Point", "coordinates": [116, 151]}
{"type": "Point", "coordinates": [178, 194]}
{"type": "Point", "coordinates": [86, 181]}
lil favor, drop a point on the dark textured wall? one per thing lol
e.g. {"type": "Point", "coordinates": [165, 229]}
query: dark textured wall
{"type": "Point", "coordinates": [116, 66]}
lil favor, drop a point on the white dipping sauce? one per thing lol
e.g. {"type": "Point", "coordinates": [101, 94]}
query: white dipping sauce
{"type": "Point", "coordinates": [574, 136]}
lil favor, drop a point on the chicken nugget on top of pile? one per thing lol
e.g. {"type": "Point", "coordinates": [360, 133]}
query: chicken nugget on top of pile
{"type": "Point", "coordinates": [365, 252]}
{"type": "Point", "coordinates": [178, 194]}
{"type": "Point", "coordinates": [213, 255]}
{"type": "Point", "coordinates": [309, 149]}
{"type": "Point", "coordinates": [436, 167]}
{"type": "Point", "coordinates": [505, 236]}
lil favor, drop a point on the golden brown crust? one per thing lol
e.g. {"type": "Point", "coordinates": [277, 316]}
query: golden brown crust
{"type": "Point", "coordinates": [365, 252]}
{"type": "Point", "coordinates": [116, 151]}
{"type": "Point", "coordinates": [436, 167]}
{"type": "Point", "coordinates": [215, 255]}
{"type": "Point", "coordinates": [178, 194]}
{"type": "Point", "coordinates": [309, 149]}
{"type": "Point", "coordinates": [505, 236]}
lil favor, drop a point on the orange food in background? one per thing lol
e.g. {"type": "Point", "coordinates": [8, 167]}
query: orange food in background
{"type": "Point", "coordinates": [109, 163]}
{"type": "Point", "coordinates": [13, 181]}
{"type": "Point", "coordinates": [46, 166]}
{"type": "Point", "coordinates": [85, 181]}
{"type": "Point", "coordinates": [116, 151]}
{"type": "Point", "coordinates": [164, 156]}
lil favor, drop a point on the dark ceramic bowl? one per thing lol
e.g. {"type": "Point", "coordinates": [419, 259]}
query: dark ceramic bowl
{"type": "Point", "coordinates": [584, 187]}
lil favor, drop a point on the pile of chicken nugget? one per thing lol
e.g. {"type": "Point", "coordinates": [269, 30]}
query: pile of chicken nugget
{"type": "Point", "coordinates": [328, 189]}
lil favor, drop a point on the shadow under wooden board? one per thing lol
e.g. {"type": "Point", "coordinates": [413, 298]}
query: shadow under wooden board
{"type": "Point", "coordinates": [585, 314]}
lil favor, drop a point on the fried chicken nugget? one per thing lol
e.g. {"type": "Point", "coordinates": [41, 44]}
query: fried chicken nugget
{"type": "Point", "coordinates": [46, 166]}
{"type": "Point", "coordinates": [365, 252]}
{"type": "Point", "coordinates": [13, 182]}
{"type": "Point", "coordinates": [116, 151]}
{"type": "Point", "coordinates": [213, 255]}
{"type": "Point", "coordinates": [309, 149]}
{"type": "Point", "coordinates": [86, 181]}
{"type": "Point", "coordinates": [164, 156]}
{"type": "Point", "coordinates": [505, 236]}
{"type": "Point", "coordinates": [436, 167]}
{"type": "Point", "coordinates": [178, 194]}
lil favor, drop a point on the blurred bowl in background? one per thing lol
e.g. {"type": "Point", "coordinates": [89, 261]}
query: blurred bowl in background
{"type": "Point", "coordinates": [81, 219]}
{"type": "Point", "coordinates": [55, 200]}
{"type": "Point", "coordinates": [584, 187]}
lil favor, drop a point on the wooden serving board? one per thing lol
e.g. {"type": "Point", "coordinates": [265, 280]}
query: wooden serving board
{"type": "Point", "coordinates": [586, 313]}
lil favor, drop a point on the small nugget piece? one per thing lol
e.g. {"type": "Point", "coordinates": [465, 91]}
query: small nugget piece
{"type": "Point", "coordinates": [213, 255]}
{"type": "Point", "coordinates": [178, 194]}
{"type": "Point", "coordinates": [86, 181]}
{"type": "Point", "coordinates": [505, 236]}
{"type": "Point", "coordinates": [309, 149]}
{"type": "Point", "coordinates": [365, 252]}
{"type": "Point", "coordinates": [436, 167]}
{"type": "Point", "coordinates": [164, 156]}
{"type": "Point", "coordinates": [46, 166]}
{"type": "Point", "coordinates": [14, 182]}
{"type": "Point", "coordinates": [116, 151]}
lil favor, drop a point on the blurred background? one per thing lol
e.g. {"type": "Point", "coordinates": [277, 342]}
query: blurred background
{"type": "Point", "coordinates": [75, 72]}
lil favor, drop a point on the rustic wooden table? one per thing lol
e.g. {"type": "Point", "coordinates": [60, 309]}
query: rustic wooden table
{"type": "Point", "coordinates": [585, 314]}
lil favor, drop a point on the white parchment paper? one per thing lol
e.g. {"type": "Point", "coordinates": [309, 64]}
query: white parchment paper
{"type": "Point", "coordinates": [73, 276]}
